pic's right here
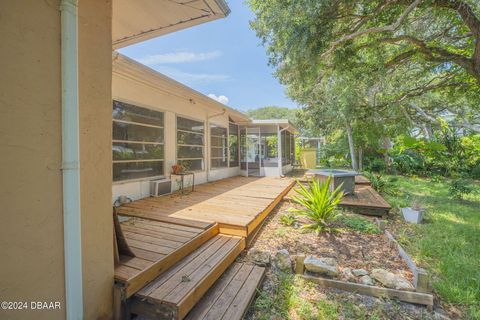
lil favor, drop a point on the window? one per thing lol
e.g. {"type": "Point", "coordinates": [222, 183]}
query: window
{"type": "Point", "coordinates": [137, 142]}
{"type": "Point", "coordinates": [233, 144]}
{"type": "Point", "coordinates": [218, 147]}
{"type": "Point", "coordinates": [190, 144]}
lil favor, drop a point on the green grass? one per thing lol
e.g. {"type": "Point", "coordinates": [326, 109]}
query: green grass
{"type": "Point", "coordinates": [448, 243]}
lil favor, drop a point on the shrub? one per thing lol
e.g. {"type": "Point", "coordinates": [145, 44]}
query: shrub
{"type": "Point", "coordinates": [318, 203]}
{"type": "Point", "coordinates": [460, 188]}
{"type": "Point", "coordinates": [288, 219]}
{"type": "Point", "coordinates": [359, 224]}
{"type": "Point", "coordinates": [381, 184]}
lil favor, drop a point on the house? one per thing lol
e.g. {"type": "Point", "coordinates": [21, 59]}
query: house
{"type": "Point", "coordinates": [190, 129]}
{"type": "Point", "coordinates": [56, 127]}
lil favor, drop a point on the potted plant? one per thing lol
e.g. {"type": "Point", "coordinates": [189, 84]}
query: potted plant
{"type": "Point", "coordinates": [415, 213]}
{"type": "Point", "coordinates": [177, 168]}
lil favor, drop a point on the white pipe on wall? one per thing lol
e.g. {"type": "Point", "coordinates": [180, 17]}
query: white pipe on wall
{"type": "Point", "coordinates": [71, 161]}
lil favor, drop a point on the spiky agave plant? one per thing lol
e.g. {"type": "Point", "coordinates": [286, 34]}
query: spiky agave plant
{"type": "Point", "coordinates": [318, 203]}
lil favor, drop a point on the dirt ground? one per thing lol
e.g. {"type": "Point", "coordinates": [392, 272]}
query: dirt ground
{"type": "Point", "coordinates": [352, 249]}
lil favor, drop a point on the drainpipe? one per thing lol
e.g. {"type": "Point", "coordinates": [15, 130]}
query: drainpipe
{"type": "Point", "coordinates": [279, 142]}
{"type": "Point", "coordinates": [71, 162]}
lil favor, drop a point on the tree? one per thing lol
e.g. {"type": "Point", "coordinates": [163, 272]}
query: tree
{"type": "Point", "coordinates": [418, 47]}
{"type": "Point", "coordinates": [273, 112]}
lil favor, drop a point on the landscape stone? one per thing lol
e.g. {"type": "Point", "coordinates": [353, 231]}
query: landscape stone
{"type": "Point", "coordinates": [326, 266]}
{"type": "Point", "coordinates": [366, 280]}
{"type": "Point", "coordinates": [282, 262]}
{"type": "Point", "coordinates": [259, 257]}
{"type": "Point", "coordinates": [359, 272]}
{"type": "Point", "coordinates": [347, 274]}
{"type": "Point", "coordinates": [391, 280]}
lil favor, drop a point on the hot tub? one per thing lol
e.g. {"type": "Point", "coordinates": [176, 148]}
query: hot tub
{"type": "Point", "coordinates": [339, 177]}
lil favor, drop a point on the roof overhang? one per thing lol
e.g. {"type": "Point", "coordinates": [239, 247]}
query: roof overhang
{"type": "Point", "coordinates": [282, 123]}
{"type": "Point", "coordinates": [131, 69]}
{"type": "Point", "coordinates": [139, 20]}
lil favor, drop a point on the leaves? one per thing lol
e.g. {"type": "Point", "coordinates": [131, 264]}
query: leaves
{"type": "Point", "coordinates": [318, 202]}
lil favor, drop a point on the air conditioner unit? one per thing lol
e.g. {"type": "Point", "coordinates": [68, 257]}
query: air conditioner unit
{"type": "Point", "coordinates": [160, 187]}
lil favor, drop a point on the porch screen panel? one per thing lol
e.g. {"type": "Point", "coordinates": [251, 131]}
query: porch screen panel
{"type": "Point", "coordinates": [233, 149]}
{"type": "Point", "coordinates": [218, 147]}
{"type": "Point", "coordinates": [137, 142]}
{"type": "Point", "coordinates": [269, 149]}
{"type": "Point", "coordinates": [190, 144]}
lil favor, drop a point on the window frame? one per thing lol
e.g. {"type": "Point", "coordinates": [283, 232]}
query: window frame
{"type": "Point", "coordinates": [213, 125]}
{"type": "Point", "coordinates": [113, 141]}
{"type": "Point", "coordinates": [177, 159]}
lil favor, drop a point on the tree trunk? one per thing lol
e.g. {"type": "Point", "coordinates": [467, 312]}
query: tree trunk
{"type": "Point", "coordinates": [387, 145]}
{"type": "Point", "coordinates": [351, 146]}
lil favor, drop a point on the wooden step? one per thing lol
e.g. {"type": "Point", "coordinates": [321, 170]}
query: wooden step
{"type": "Point", "coordinates": [173, 294]}
{"type": "Point", "coordinates": [157, 247]}
{"type": "Point", "coordinates": [230, 296]}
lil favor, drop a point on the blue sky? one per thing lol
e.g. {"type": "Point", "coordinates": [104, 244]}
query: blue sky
{"type": "Point", "coordinates": [221, 58]}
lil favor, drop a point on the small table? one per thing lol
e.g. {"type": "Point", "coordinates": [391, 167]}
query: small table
{"type": "Point", "coordinates": [182, 176]}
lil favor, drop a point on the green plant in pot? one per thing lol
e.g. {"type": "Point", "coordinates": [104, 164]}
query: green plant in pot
{"type": "Point", "coordinates": [318, 204]}
{"type": "Point", "coordinates": [415, 213]}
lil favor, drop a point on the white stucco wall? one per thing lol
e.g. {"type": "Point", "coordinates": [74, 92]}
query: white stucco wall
{"type": "Point", "coordinates": [167, 96]}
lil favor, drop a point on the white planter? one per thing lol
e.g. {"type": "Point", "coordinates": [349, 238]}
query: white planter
{"type": "Point", "coordinates": [413, 216]}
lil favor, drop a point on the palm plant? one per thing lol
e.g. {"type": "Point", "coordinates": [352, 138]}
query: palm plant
{"type": "Point", "coordinates": [318, 203]}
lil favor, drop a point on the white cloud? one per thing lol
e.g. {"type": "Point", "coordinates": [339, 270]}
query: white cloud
{"type": "Point", "coordinates": [179, 57]}
{"type": "Point", "coordinates": [221, 99]}
{"type": "Point", "coordinates": [192, 78]}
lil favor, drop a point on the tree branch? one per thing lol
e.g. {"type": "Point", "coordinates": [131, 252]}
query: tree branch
{"type": "Point", "coordinates": [389, 28]}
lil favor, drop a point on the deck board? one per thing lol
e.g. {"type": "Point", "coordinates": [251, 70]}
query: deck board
{"type": "Point", "coordinates": [230, 296]}
{"type": "Point", "coordinates": [237, 204]}
{"type": "Point", "coordinates": [365, 200]}
{"type": "Point", "coordinates": [157, 246]}
{"type": "Point", "coordinates": [177, 290]}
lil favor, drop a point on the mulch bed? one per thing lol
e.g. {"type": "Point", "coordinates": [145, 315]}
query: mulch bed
{"type": "Point", "coordinates": [352, 249]}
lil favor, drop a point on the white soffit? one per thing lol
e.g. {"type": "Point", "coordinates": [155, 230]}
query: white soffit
{"type": "Point", "coordinates": [139, 20]}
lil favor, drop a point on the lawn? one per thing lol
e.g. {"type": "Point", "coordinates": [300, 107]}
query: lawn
{"type": "Point", "coordinates": [447, 244]}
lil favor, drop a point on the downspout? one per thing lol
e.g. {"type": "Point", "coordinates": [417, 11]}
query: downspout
{"type": "Point", "coordinates": [71, 162]}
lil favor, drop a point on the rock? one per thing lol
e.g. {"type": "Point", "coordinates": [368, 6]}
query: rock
{"type": "Point", "coordinates": [366, 280]}
{"type": "Point", "coordinates": [259, 257]}
{"type": "Point", "coordinates": [347, 274]}
{"type": "Point", "coordinates": [282, 262]}
{"type": "Point", "coordinates": [326, 266]}
{"type": "Point", "coordinates": [391, 280]}
{"type": "Point", "coordinates": [359, 272]}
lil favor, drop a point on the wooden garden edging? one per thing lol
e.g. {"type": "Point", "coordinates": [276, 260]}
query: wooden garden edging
{"type": "Point", "coordinates": [421, 294]}
{"type": "Point", "coordinates": [420, 276]}
{"type": "Point", "coordinates": [374, 291]}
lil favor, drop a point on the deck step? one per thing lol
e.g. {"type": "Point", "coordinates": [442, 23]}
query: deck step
{"type": "Point", "coordinates": [173, 294]}
{"type": "Point", "coordinates": [230, 296]}
{"type": "Point", "coordinates": [157, 247]}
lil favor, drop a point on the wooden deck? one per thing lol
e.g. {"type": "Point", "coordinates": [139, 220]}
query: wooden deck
{"type": "Point", "coordinates": [157, 246]}
{"type": "Point", "coordinates": [229, 297]}
{"type": "Point", "coordinates": [365, 200]}
{"type": "Point", "coordinates": [173, 294]}
{"type": "Point", "coordinates": [237, 204]}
